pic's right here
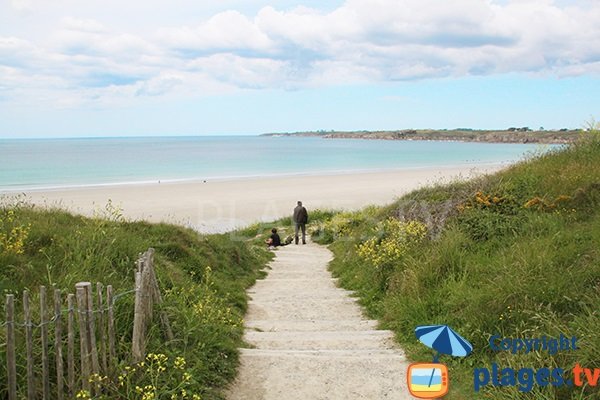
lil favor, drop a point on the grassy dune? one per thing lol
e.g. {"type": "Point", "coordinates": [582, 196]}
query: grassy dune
{"type": "Point", "coordinates": [515, 254]}
{"type": "Point", "coordinates": [202, 277]}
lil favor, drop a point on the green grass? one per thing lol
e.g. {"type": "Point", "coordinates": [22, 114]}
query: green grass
{"type": "Point", "coordinates": [491, 265]}
{"type": "Point", "coordinates": [205, 305]}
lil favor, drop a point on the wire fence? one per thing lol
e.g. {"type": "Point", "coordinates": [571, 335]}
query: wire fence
{"type": "Point", "coordinates": [89, 319]}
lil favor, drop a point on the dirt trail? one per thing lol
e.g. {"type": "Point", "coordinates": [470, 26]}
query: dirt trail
{"type": "Point", "coordinates": [310, 339]}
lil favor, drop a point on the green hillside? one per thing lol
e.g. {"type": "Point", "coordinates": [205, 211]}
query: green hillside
{"type": "Point", "coordinates": [202, 278]}
{"type": "Point", "coordinates": [515, 254]}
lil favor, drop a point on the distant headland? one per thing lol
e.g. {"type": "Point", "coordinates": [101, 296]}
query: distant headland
{"type": "Point", "coordinates": [510, 135]}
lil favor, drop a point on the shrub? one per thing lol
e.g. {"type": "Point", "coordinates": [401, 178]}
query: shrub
{"type": "Point", "coordinates": [12, 234]}
{"type": "Point", "coordinates": [391, 241]}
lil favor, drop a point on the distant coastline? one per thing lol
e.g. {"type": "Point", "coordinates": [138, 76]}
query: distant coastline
{"type": "Point", "coordinates": [511, 135]}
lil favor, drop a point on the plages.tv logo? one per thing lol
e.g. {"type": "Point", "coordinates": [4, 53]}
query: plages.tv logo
{"type": "Point", "coordinates": [431, 380]}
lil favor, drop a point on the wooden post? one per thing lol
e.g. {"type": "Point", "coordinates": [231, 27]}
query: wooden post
{"type": "Point", "coordinates": [137, 345]}
{"type": "Point", "coordinates": [148, 296]}
{"type": "Point", "coordinates": [112, 354]}
{"type": "Point", "coordinates": [91, 328]}
{"type": "Point", "coordinates": [71, 345]}
{"type": "Point", "coordinates": [11, 364]}
{"type": "Point", "coordinates": [102, 327]}
{"type": "Point", "coordinates": [58, 353]}
{"type": "Point", "coordinates": [29, 345]}
{"type": "Point", "coordinates": [44, 339]}
{"type": "Point", "coordinates": [83, 335]}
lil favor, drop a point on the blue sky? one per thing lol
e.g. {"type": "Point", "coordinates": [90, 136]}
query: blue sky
{"type": "Point", "coordinates": [114, 68]}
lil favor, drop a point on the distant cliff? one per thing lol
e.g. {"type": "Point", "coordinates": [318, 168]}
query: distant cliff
{"type": "Point", "coordinates": [512, 135]}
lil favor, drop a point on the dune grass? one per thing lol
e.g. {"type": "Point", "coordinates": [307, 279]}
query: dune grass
{"type": "Point", "coordinates": [202, 278]}
{"type": "Point", "coordinates": [515, 253]}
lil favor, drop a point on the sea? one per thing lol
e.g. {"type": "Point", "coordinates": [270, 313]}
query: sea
{"type": "Point", "coordinates": [40, 164]}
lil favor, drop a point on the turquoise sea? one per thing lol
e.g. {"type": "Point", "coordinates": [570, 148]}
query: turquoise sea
{"type": "Point", "coordinates": [58, 163]}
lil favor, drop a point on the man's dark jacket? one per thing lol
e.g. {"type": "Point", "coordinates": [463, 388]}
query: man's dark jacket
{"type": "Point", "coordinates": [300, 215]}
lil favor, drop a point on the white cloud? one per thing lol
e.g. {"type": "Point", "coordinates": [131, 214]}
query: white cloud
{"type": "Point", "coordinates": [21, 5]}
{"type": "Point", "coordinates": [85, 58]}
{"type": "Point", "coordinates": [161, 84]}
{"type": "Point", "coordinates": [224, 31]}
{"type": "Point", "coordinates": [240, 71]}
{"type": "Point", "coordinates": [83, 25]}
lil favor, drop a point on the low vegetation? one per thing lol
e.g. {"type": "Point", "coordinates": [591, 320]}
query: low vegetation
{"type": "Point", "coordinates": [202, 278]}
{"type": "Point", "coordinates": [510, 135]}
{"type": "Point", "coordinates": [514, 254]}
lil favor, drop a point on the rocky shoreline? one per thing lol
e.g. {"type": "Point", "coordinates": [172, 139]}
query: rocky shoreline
{"type": "Point", "coordinates": [512, 135]}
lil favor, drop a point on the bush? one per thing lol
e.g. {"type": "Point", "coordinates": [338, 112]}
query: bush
{"type": "Point", "coordinates": [390, 242]}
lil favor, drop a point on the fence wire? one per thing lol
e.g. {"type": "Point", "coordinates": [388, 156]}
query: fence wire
{"type": "Point", "coordinates": [55, 317]}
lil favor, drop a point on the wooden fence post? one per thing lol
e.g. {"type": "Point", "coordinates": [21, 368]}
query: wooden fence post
{"type": "Point", "coordinates": [137, 345]}
{"type": "Point", "coordinates": [112, 354]}
{"type": "Point", "coordinates": [58, 352]}
{"type": "Point", "coordinates": [83, 335]}
{"type": "Point", "coordinates": [147, 293]}
{"type": "Point", "coordinates": [44, 339]}
{"type": "Point", "coordinates": [102, 327]}
{"type": "Point", "coordinates": [29, 345]}
{"type": "Point", "coordinates": [71, 345]}
{"type": "Point", "coordinates": [11, 365]}
{"type": "Point", "coordinates": [91, 328]}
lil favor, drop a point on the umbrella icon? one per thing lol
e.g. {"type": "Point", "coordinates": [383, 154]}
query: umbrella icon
{"type": "Point", "coordinates": [444, 340]}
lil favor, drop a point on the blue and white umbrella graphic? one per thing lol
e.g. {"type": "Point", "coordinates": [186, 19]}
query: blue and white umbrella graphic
{"type": "Point", "coordinates": [444, 340]}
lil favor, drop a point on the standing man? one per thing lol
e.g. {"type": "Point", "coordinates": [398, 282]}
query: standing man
{"type": "Point", "coordinates": [300, 219]}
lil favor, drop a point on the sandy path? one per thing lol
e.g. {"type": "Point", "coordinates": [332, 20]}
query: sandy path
{"type": "Point", "coordinates": [310, 339]}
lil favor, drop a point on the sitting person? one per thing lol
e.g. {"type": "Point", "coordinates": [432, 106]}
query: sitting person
{"type": "Point", "coordinates": [274, 240]}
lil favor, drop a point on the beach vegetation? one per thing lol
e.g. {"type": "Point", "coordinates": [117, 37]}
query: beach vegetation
{"type": "Point", "coordinates": [514, 254]}
{"type": "Point", "coordinates": [202, 278]}
{"type": "Point", "coordinates": [12, 234]}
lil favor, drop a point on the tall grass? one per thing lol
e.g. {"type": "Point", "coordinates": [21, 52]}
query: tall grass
{"type": "Point", "coordinates": [515, 254]}
{"type": "Point", "coordinates": [202, 277]}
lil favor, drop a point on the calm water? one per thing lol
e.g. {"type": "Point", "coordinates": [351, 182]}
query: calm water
{"type": "Point", "coordinates": [54, 163]}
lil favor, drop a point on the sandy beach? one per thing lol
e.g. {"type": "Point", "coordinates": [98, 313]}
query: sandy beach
{"type": "Point", "coordinates": [221, 205]}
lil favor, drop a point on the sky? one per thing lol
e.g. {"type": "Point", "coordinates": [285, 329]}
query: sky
{"type": "Point", "coordinates": [86, 68]}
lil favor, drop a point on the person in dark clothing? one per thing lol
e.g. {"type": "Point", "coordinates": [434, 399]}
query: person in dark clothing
{"type": "Point", "coordinates": [300, 219]}
{"type": "Point", "coordinates": [274, 240]}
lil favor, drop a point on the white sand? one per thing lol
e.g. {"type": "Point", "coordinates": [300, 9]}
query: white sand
{"type": "Point", "coordinates": [220, 205]}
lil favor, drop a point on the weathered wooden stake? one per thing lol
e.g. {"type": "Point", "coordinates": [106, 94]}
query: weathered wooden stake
{"type": "Point", "coordinates": [91, 328]}
{"type": "Point", "coordinates": [11, 364]}
{"type": "Point", "coordinates": [29, 345]}
{"type": "Point", "coordinates": [58, 351]}
{"type": "Point", "coordinates": [102, 328]}
{"type": "Point", "coordinates": [137, 345]}
{"type": "Point", "coordinates": [112, 354]}
{"type": "Point", "coordinates": [86, 364]}
{"type": "Point", "coordinates": [71, 345]}
{"type": "Point", "coordinates": [44, 339]}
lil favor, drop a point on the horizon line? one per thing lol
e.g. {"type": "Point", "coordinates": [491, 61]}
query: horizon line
{"type": "Point", "coordinates": [148, 136]}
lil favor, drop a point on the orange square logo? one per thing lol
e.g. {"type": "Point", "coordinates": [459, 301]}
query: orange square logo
{"type": "Point", "coordinates": [427, 380]}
